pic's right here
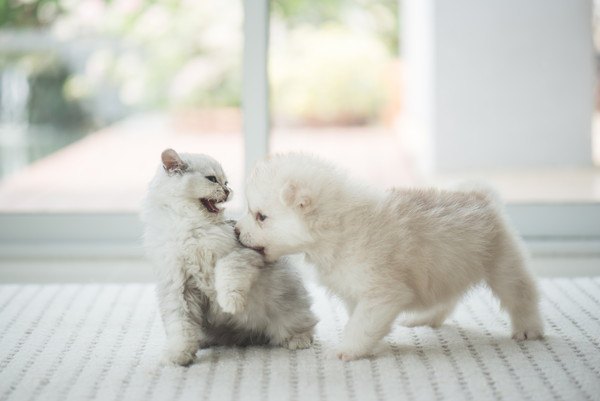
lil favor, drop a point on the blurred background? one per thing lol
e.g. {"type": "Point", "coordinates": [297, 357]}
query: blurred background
{"type": "Point", "coordinates": [91, 91]}
{"type": "Point", "coordinates": [399, 92]}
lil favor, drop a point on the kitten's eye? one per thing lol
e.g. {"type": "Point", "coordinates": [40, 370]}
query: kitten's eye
{"type": "Point", "coordinates": [211, 178]}
{"type": "Point", "coordinates": [260, 217]}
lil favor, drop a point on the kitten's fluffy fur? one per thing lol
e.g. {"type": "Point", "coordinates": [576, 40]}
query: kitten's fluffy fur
{"type": "Point", "coordinates": [384, 253]}
{"type": "Point", "coordinates": [211, 290]}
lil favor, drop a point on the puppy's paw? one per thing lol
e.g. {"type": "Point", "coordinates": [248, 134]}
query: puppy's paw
{"type": "Point", "coordinates": [182, 355]}
{"type": "Point", "coordinates": [298, 341]}
{"type": "Point", "coordinates": [528, 334]}
{"type": "Point", "coordinates": [232, 302]}
{"type": "Point", "coordinates": [347, 355]}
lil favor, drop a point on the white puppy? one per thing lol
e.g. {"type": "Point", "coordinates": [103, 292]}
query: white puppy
{"type": "Point", "coordinates": [211, 290]}
{"type": "Point", "coordinates": [383, 253]}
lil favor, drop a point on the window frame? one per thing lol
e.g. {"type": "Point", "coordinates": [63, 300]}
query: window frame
{"type": "Point", "coordinates": [549, 229]}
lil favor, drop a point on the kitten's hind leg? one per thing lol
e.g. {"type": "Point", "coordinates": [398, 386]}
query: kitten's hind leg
{"type": "Point", "coordinates": [298, 341]}
{"type": "Point", "coordinates": [184, 335]}
{"type": "Point", "coordinates": [234, 275]}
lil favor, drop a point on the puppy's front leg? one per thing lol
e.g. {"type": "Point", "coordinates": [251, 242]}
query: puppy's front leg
{"type": "Point", "coordinates": [368, 324]}
{"type": "Point", "coordinates": [183, 334]}
{"type": "Point", "coordinates": [234, 275]}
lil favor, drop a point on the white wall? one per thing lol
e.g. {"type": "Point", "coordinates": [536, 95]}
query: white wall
{"type": "Point", "coordinates": [500, 83]}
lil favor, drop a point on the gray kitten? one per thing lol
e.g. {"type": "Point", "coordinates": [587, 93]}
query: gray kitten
{"type": "Point", "coordinates": [211, 290]}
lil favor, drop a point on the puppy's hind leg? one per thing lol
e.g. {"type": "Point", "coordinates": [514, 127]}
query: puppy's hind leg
{"type": "Point", "coordinates": [510, 280]}
{"type": "Point", "coordinates": [433, 318]}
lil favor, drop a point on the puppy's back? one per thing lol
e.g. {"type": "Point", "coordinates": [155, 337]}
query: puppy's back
{"type": "Point", "coordinates": [431, 207]}
{"type": "Point", "coordinates": [444, 233]}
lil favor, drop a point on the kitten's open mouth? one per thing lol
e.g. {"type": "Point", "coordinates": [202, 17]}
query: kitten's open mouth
{"type": "Point", "coordinates": [210, 205]}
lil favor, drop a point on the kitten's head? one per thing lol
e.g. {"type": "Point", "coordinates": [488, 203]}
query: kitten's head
{"type": "Point", "coordinates": [192, 177]}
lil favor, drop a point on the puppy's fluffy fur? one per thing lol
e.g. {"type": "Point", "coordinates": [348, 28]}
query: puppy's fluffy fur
{"type": "Point", "coordinates": [211, 290]}
{"type": "Point", "coordinates": [383, 253]}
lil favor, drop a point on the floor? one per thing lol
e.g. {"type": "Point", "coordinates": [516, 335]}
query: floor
{"type": "Point", "coordinates": [109, 170]}
{"type": "Point", "coordinates": [103, 342]}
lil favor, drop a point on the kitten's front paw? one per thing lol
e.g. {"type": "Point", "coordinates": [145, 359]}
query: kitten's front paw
{"type": "Point", "coordinates": [182, 355]}
{"type": "Point", "coordinates": [232, 302]}
{"type": "Point", "coordinates": [298, 341]}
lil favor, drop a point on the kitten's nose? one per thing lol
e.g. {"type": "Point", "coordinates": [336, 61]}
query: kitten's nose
{"type": "Point", "coordinates": [227, 191]}
{"type": "Point", "coordinates": [237, 232]}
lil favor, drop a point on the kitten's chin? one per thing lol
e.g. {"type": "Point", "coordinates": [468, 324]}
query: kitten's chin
{"type": "Point", "coordinates": [210, 205]}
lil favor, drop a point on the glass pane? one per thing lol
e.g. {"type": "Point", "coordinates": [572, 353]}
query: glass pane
{"type": "Point", "coordinates": [92, 91]}
{"type": "Point", "coordinates": [335, 71]}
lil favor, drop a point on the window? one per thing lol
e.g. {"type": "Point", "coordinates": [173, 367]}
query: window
{"type": "Point", "coordinates": [128, 78]}
{"type": "Point", "coordinates": [335, 74]}
{"type": "Point", "coordinates": [92, 91]}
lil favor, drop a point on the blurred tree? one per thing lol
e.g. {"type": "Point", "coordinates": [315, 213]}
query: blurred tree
{"type": "Point", "coordinates": [187, 53]}
{"type": "Point", "coordinates": [383, 15]}
{"type": "Point", "coordinates": [307, 11]}
{"type": "Point", "coordinates": [25, 14]}
{"type": "Point", "coordinates": [329, 75]}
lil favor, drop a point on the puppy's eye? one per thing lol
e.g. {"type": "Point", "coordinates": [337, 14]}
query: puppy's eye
{"type": "Point", "coordinates": [260, 217]}
{"type": "Point", "coordinates": [211, 178]}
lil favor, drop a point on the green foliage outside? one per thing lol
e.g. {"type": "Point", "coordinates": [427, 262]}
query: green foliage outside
{"type": "Point", "coordinates": [326, 65]}
{"type": "Point", "coordinates": [34, 13]}
{"type": "Point", "coordinates": [383, 14]}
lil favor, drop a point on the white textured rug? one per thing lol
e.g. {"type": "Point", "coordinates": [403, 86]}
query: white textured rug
{"type": "Point", "coordinates": [76, 342]}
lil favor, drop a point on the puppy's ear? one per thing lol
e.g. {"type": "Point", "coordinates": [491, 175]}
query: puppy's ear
{"type": "Point", "coordinates": [172, 162]}
{"type": "Point", "coordinates": [294, 195]}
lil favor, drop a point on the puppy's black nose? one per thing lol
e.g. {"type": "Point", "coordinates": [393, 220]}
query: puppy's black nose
{"type": "Point", "coordinates": [237, 232]}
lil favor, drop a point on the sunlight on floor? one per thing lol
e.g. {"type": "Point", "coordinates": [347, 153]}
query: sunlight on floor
{"type": "Point", "coordinates": [109, 170]}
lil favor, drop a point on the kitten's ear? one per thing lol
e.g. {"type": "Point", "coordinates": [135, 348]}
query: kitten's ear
{"type": "Point", "coordinates": [294, 195]}
{"type": "Point", "coordinates": [172, 162]}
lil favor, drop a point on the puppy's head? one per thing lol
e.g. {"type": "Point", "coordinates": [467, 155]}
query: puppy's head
{"type": "Point", "coordinates": [193, 177]}
{"type": "Point", "coordinates": [282, 205]}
